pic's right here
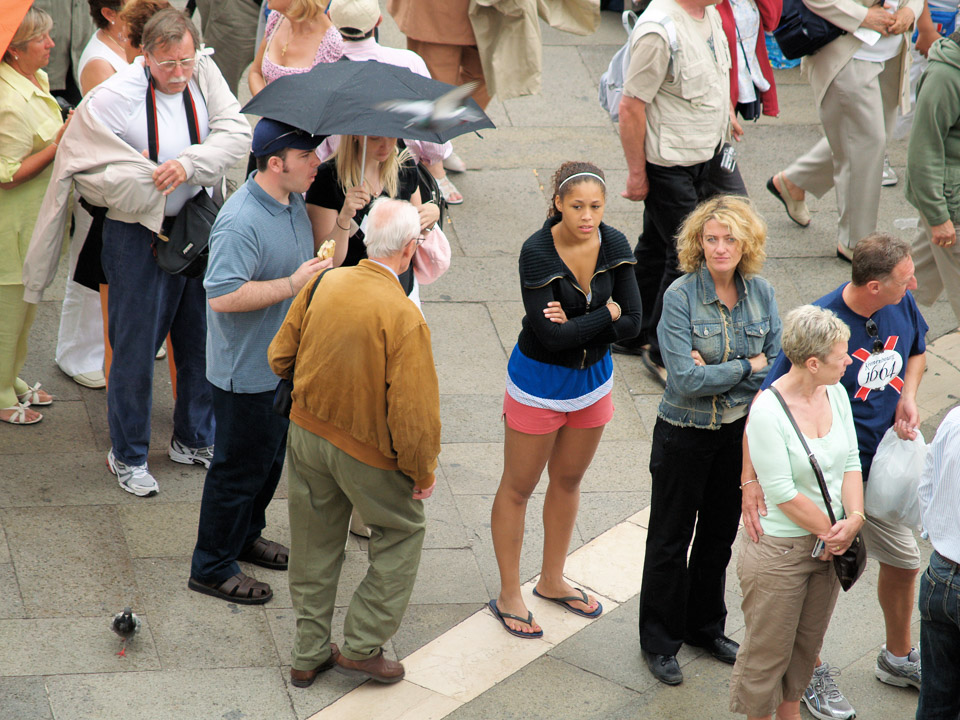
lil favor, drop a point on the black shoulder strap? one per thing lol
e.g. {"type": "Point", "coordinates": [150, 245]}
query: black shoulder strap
{"type": "Point", "coordinates": [810, 456]}
{"type": "Point", "coordinates": [315, 286]}
{"type": "Point", "coordinates": [153, 135]}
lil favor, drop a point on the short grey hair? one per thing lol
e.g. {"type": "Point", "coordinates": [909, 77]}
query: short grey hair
{"type": "Point", "coordinates": [875, 257]}
{"type": "Point", "coordinates": [391, 224]}
{"type": "Point", "coordinates": [168, 26]}
{"type": "Point", "coordinates": [811, 331]}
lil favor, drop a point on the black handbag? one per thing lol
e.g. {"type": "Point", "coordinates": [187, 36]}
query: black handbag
{"type": "Point", "coordinates": [283, 395]}
{"type": "Point", "coordinates": [182, 245]}
{"type": "Point", "coordinates": [802, 32]}
{"type": "Point", "coordinates": [849, 566]}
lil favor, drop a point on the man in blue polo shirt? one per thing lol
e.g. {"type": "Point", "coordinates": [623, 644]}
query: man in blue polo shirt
{"type": "Point", "coordinates": [261, 255]}
{"type": "Point", "coordinates": [887, 345]}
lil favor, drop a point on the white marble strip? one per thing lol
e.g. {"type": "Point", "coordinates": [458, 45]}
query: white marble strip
{"type": "Point", "coordinates": [475, 655]}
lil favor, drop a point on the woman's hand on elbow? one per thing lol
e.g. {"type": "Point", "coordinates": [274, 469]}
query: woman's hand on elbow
{"type": "Point", "coordinates": [554, 312]}
{"type": "Point", "coordinates": [758, 362]}
{"type": "Point", "coordinates": [697, 358]}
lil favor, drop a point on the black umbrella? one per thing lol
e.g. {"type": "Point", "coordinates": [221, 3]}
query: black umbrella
{"type": "Point", "coordinates": [348, 98]}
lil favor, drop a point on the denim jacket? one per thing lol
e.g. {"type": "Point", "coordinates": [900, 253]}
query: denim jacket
{"type": "Point", "coordinates": [694, 318]}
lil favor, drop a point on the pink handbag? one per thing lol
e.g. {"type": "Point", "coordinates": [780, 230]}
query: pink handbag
{"type": "Point", "coordinates": [432, 257]}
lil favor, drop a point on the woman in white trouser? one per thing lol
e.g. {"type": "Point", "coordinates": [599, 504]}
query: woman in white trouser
{"type": "Point", "coordinates": [857, 86]}
{"type": "Point", "coordinates": [80, 338]}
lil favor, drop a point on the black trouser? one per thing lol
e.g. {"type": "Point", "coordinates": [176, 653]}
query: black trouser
{"type": "Point", "coordinates": [696, 480]}
{"type": "Point", "coordinates": [674, 193]}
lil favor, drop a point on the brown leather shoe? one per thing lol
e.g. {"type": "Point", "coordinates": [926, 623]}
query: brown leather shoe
{"type": "Point", "coordinates": [378, 668]}
{"type": "Point", "coordinates": [305, 678]}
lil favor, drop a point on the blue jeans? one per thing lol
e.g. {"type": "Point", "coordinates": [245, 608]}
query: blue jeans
{"type": "Point", "coordinates": [247, 460]}
{"type": "Point", "coordinates": [144, 304]}
{"type": "Point", "coordinates": [940, 640]}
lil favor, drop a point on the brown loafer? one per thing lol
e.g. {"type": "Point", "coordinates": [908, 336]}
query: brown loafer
{"type": "Point", "coordinates": [305, 678]}
{"type": "Point", "coordinates": [378, 668]}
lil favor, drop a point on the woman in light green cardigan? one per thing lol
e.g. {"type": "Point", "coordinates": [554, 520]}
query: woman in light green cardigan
{"type": "Point", "coordinates": [788, 593]}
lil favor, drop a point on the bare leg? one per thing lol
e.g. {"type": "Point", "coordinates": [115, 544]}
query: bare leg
{"type": "Point", "coordinates": [895, 588]}
{"type": "Point", "coordinates": [795, 191]}
{"type": "Point", "coordinates": [571, 456]}
{"type": "Point", "coordinates": [524, 457]}
{"type": "Point", "coordinates": [788, 710]}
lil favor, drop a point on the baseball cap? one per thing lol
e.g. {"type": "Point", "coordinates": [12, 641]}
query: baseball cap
{"type": "Point", "coordinates": [272, 135]}
{"type": "Point", "coordinates": [355, 18]}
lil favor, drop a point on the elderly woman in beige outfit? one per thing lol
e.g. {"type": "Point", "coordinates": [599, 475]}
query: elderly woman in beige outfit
{"type": "Point", "coordinates": [857, 87]}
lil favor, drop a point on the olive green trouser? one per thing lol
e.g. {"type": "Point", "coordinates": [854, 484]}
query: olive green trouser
{"type": "Point", "coordinates": [325, 483]}
{"type": "Point", "coordinates": [16, 317]}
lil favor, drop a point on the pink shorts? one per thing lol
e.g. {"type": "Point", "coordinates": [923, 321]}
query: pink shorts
{"type": "Point", "coordinates": [540, 421]}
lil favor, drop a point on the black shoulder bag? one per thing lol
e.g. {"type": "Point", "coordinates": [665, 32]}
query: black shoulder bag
{"type": "Point", "coordinates": [183, 250]}
{"type": "Point", "coordinates": [802, 32]}
{"type": "Point", "coordinates": [849, 566]}
{"type": "Point", "coordinates": [283, 395]}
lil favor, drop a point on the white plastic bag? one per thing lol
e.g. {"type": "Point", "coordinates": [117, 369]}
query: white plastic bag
{"type": "Point", "coordinates": [894, 479]}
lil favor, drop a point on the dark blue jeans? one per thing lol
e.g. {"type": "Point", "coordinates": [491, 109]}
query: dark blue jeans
{"type": "Point", "coordinates": [247, 460]}
{"type": "Point", "coordinates": [144, 304]}
{"type": "Point", "coordinates": [940, 640]}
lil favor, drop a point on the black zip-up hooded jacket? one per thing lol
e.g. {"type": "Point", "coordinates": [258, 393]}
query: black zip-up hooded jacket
{"type": "Point", "coordinates": [586, 336]}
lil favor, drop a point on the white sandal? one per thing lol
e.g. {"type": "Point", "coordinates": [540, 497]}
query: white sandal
{"type": "Point", "coordinates": [454, 163]}
{"type": "Point", "coordinates": [19, 416]}
{"type": "Point", "coordinates": [32, 397]}
{"type": "Point", "coordinates": [448, 190]}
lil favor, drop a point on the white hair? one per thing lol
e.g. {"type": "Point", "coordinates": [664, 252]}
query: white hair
{"type": "Point", "coordinates": [391, 224]}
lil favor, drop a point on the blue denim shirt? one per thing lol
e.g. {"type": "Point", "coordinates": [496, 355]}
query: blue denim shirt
{"type": "Point", "coordinates": [694, 318]}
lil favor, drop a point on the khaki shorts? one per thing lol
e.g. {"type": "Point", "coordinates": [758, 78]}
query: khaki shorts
{"type": "Point", "coordinates": [788, 598]}
{"type": "Point", "coordinates": [891, 543]}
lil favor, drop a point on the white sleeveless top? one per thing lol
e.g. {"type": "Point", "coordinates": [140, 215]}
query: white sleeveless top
{"type": "Point", "coordinates": [97, 49]}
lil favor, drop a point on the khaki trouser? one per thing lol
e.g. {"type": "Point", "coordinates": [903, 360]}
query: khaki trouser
{"type": "Point", "coordinates": [858, 114]}
{"type": "Point", "coordinates": [325, 483]}
{"type": "Point", "coordinates": [16, 317]}
{"type": "Point", "coordinates": [936, 269]}
{"type": "Point", "coordinates": [230, 27]}
{"type": "Point", "coordinates": [788, 598]}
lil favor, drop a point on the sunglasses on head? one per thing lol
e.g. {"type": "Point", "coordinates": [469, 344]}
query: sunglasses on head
{"type": "Point", "coordinates": [874, 332]}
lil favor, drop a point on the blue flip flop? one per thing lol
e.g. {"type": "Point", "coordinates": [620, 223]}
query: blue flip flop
{"type": "Point", "coordinates": [517, 633]}
{"type": "Point", "coordinates": [565, 602]}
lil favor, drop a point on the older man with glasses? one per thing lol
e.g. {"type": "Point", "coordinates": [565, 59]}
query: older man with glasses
{"type": "Point", "coordinates": [888, 348]}
{"type": "Point", "coordinates": [175, 108]}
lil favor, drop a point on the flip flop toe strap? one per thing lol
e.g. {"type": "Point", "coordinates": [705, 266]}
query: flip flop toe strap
{"type": "Point", "coordinates": [528, 619]}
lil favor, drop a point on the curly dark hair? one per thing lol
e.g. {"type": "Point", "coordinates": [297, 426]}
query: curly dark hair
{"type": "Point", "coordinates": [97, 5]}
{"type": "Point", "coordinates": [136, 13]}
{"type": "Point", "coordinates": [568, 170]}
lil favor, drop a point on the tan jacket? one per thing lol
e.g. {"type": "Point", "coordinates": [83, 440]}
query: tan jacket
{"type": "Point", "coordinates": [508, 40]}
{"type": "Point", "coordinates": [110, 173]}
{"type": "Point", "coordinates": [824, 65]}
{"type": "Point", "coordinates": [363, 373]}
{"type": "Point", "coordinates": [690, 113]}
{"type": "Point", "coordinates": [444, 22]}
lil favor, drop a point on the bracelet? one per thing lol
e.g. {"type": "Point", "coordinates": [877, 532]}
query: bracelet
{"type": "Point", "coordinates": [619, 309]}
{"type": "Point", "coordinates": [292, 291]}
{"type": "Point", "coordinates": [862, 516]}
{"type": "Point", "coordinates": [347, 228]}
{"type": "Point", "coordinates": [743, 485]}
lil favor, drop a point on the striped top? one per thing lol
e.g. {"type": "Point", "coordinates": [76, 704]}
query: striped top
{"type": "Point", "coordinates": [555, 387]}
{"type": "Point", "coordinates": [939, 489]}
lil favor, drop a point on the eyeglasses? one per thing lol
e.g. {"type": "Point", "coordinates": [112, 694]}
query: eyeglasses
{"type": "Point", "coordinates": [874, 332]}
{"type": "Point", "coordinates": [419, 239]}
{"type": "Point", "coordinates": [168, 65]}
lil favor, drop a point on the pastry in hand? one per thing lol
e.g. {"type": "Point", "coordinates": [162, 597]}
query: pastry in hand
{"type": "Point", "coordinates": [327, 249]}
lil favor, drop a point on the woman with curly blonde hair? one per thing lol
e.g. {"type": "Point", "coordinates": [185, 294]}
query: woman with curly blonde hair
{"type": "Point", "coordinates": [718, 332]}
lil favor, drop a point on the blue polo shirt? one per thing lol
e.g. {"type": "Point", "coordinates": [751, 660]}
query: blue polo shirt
{"type": "Point", "coordinates": [254, 238]}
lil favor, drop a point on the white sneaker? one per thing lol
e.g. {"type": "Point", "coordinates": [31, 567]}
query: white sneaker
{"type": "Point", "coordinates": [889, 174]}
{"type": "Point", "coordinates": [898, 675]}
{"type": "Point", "coordinates": [823, 698]}
{"type": "Point", "coordinates": [134, 479]}
{"type": "Point", "coordinates": [180, 453]}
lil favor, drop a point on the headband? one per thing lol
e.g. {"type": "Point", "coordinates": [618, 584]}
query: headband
{"type": "Point", "coordinates": [581, 174]}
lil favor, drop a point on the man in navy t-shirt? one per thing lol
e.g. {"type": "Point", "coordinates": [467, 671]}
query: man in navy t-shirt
{"type": "Point", "coordinates": [887, 345]}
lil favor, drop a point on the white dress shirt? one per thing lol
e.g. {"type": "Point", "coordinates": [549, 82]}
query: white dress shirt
{"type": "Point", "coordinates": [939, 489]}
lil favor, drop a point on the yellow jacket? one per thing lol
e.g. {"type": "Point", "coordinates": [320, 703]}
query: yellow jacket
{"type": "Point", "coordinates": [363, 372]}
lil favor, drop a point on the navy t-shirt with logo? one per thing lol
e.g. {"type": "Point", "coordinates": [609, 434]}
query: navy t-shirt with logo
{"type": "Point", "coordinates": [874, 380]}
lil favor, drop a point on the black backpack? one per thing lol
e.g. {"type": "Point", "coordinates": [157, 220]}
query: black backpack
{"type": "Point", "coordinates": [802, 32]}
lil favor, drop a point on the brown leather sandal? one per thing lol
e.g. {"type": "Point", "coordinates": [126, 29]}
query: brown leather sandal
{"type": "Point", "coordinates": [266, 553]}
{"type": "Point", "coordinates": [240, 588]}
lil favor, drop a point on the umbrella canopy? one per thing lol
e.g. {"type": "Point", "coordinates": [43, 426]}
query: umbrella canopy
{"type": "Point", "coordinates": [11, 15]}
{"type": "Point", "coordinates": [342, 98]}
